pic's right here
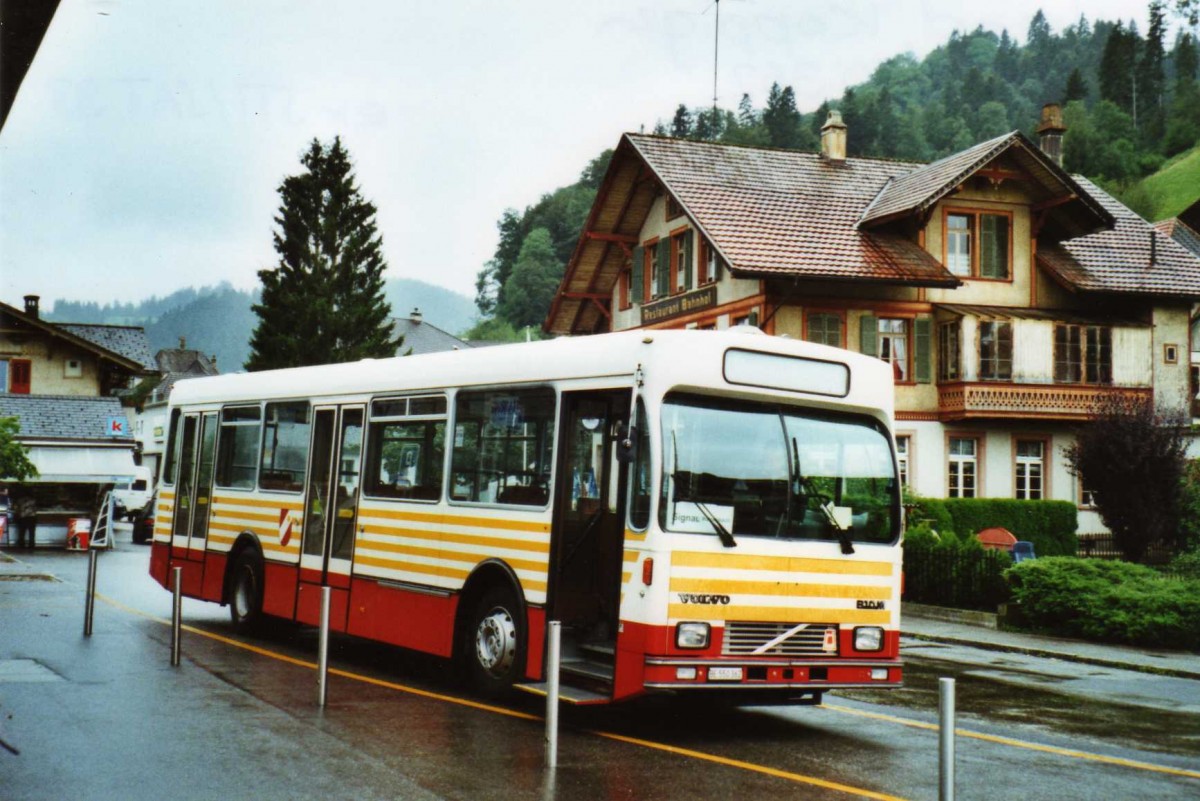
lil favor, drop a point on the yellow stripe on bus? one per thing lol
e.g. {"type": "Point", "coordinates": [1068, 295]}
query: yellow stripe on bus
{"type": "Point", "coordinates": [785, 588]}
{"type": "Point", "coordinates": [456, 520]}
{"type": "Point", "coordinates": [255, 516]}
{"type": "Point", "coordinates": [776, 614]}
{"type": "Point", "coordinates": [462, 539]}
{"type": "Point", "coordinates": [442, 571]}
{"type": "Point", "coordinates": [783, 564]}
{"type": "Point", "coordinates": [262, 503]}
{"type": "Point", "coordinates": [164, 495]}
{"type": "Point", "coordinates": [448, 556]}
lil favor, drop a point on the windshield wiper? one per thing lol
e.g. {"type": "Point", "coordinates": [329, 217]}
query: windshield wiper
{"type": "Point", "coordinates": [726, 538]}
{"type": "Point", "coordinates": [824, 502]}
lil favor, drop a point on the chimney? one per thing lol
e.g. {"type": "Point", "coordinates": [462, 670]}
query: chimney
{"type": "Point", "coordinates": [1051, 132]}
{"type": "Point", "coordinates": [183, 343]}
{"type": "Point", "coordinates": [415, 316]}
{"type": "Point", "coordinates": [213, 359]}
{"type": "Point", "coordinates": [31, 305]}
{"type": "Point", "coordinates": [833, 137]}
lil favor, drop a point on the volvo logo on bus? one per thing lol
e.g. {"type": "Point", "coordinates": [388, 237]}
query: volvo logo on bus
{"type": "Point", "coordinates": [693, 598]}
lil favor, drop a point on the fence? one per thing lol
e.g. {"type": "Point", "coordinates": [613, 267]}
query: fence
{"type": "Point", "coordinates": [970, 579]}
{"type": "Point", "coordinates": [1104, 546]}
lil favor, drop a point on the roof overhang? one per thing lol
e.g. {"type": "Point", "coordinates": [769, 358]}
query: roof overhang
{"type": "Point", "coordinates": [55, 331]}
{"type": "Point", "coordinates": [80, 464]}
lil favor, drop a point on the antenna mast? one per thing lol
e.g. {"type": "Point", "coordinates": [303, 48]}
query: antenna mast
{"type": "Point", "coordinates": [716, 50]}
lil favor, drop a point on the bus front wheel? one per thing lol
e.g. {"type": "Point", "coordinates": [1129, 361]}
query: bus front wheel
{"type": "Point", "coordinates": [493, 645]}
{"type": "Point", "coordinates": [246, 591]}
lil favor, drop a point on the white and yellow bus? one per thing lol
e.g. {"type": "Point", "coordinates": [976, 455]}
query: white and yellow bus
{"type": "Point", "coordinates": [705, 512]}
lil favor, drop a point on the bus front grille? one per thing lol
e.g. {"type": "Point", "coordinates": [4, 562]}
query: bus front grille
{"type": "Point", "coordinates": [778, 639]}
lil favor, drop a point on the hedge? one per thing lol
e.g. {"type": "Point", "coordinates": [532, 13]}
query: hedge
{"type": "Point", "coordinates": [1109, 601]}
{"type": "Point", "coordinates": [1049, 525]}
{"type": "Point", "coordinates": [952, 572]}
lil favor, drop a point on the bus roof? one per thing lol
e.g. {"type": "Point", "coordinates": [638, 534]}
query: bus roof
{"type": "Point", "coordinates": [668, 358]}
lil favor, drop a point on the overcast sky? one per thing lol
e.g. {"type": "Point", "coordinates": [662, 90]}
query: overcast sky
{"type": "Point", "coordinates": [148, 140]}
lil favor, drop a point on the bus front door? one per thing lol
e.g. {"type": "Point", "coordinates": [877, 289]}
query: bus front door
{"type": "Point", "coordinates": [588, 536]}
{"type": "Point", "coordinates": [330, 513]}
{"type": "Point", "coordinates": [193, 498]}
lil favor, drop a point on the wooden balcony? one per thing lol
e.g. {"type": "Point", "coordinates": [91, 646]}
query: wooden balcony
{"type": "Point", "coordinates": [976, 400]}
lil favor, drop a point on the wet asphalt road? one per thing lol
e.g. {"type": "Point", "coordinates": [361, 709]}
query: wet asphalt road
{"type": "Point", "coordinates": [108, 717]}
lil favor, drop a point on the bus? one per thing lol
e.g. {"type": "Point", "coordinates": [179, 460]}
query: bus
{"type": "Point", "coordinates": [714, 513]}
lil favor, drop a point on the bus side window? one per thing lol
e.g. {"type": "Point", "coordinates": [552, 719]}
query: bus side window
{"type": "Point", "coordinates": [641, 483]}
{"type": "Point", "coordinates": [503, 446]}
{"type": "Point", "coordinates": [406, 459]}
{"type": "Point", "coordinates": [285, 447]}
{"type": "Point", "coordinates": [237, 446]}
{"type": "Point", "coordinates": [168, 474]}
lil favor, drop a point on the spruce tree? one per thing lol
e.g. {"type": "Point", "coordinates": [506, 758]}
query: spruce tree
{"type": "Point", "coordinates": [1076, 87]}
{"type": "Point", "coordinates": [324, 301]}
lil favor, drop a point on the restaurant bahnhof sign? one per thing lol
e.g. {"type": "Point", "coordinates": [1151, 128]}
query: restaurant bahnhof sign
{"type": "Point", "coordinates": [678, 305]}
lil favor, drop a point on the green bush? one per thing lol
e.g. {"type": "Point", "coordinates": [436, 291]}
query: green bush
{"type": "Point", "coordinates": [1108, 601]}
{"type": "Point", "coordinates": [1187, 564]}
{"type": "Point", "coordinates": [1049, 525]}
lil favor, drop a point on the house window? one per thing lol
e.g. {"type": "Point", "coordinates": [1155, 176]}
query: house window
{"type": "Point", "coordinates": [18, 376]}
{"type": "Point", "coordinates": [1029, 481]}
{"type": "Point", "coordinates": [1082, 354]}
{"type": "Point", "coordinates": [995, 351]}
{"type": "Point", "coordinates": [1171, 354]}
{"type": "Point", "coordinates": [658, 268]}
{"type": "Point", "coordinates": [674, 208]}
{"type": "Point", "coordinates": [893, 346]}
{"type": "Point", "coordinates": [903, 446]}
{"type": "Point", "coordinates": [73, 368]}
{"type": "Point", "coordinates": [1087, 498]}
{"type": "Point", "coordinates": [710, 265]}
{"type": "Point", "coordinates": [824, 328]}
{"type": "Point", "coordinates": [681, 262]}
{"type": "Point", "coordinates": [963, 467]}
{"type": "Point", "coordinates": [977, 245]}
{"type": "Point", "coordinates": [949, 352]}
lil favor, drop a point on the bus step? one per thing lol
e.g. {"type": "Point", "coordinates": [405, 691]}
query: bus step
{"type": "Point", "coordinates": [589, 669]}
{"type": "Point", "coordinates": [571, 695]}
{"type": "Point", "coordinates": [606, 650]}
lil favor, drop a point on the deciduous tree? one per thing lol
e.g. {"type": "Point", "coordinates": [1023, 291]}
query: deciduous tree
{"type": "Point", "coordinates": [14, 461]}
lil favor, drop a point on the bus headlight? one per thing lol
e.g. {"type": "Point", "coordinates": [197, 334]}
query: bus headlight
{"type": "Point", "coordinates": [691, 635]}
{"type": "Point", "coordinates": [868, 638]}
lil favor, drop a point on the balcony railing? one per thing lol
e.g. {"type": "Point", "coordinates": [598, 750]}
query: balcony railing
{"type": "Point", "coordinates": [979, 400]}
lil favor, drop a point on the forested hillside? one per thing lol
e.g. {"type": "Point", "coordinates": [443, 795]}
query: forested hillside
{"type": "Point", "coordinates": [218, 319]}
{"type": "Point", "coordinates": [1131, 102]}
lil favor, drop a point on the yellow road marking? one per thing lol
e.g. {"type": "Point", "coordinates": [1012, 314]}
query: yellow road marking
{"type": "Point", "coordinates": [1015, 743]}
{"type": "Point", "coordinates": [795, 777]}
{"type": "Point", "coordinates": [750, 766]}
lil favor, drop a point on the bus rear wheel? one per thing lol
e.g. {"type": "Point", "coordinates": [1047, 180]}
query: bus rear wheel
{"type": "Point", "coordinates": [246, 591]}
{"type": "Point", "coordinates": [493, 644]}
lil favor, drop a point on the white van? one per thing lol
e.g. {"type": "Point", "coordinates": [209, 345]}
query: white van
{"type": "Point", "coordinates": [136, 495]}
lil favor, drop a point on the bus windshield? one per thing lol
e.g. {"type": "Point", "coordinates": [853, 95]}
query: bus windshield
{"type": "Point", "coordinates": [735, 469]}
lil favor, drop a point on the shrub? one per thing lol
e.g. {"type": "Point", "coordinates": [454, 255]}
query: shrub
{"type": "Point", "coordinates": [1187, 564]}
{"type": "Point", "coordinates": [1109, 601]}
{"type": "Point", "coordinates": [1049, 525]}
{"type": "Point", "coordinates": [949, 571]}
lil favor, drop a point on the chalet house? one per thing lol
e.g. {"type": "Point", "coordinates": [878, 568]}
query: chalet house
{"type": "Point", "coordinates": [58, 380]}
{"type": "Point", "coordinates": [150, 421]}
{"type": "Point", "coordinates": [1007, 294]}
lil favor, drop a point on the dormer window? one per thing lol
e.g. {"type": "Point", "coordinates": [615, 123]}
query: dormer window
{"type": "Point", "coordinates": [977, 244]}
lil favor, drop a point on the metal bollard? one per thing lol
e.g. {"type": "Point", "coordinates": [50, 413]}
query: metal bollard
{"type": "Point", "coordinates": [323, 649]}
{"type": "Point", "coordinates": [946, 739]}
{"type": "Point", "coordinates": [176, 613]}
{"type": "Point", "coordinates": [553, 658]}
{"type": "Point", "coordinates": [89, 602]}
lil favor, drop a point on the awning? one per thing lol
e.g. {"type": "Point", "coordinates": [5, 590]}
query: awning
{"type": "Point", "coordinates": [81, 465]}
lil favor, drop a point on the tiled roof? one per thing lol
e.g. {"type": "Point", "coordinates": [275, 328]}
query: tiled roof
{"type": "Point", "coordinates": [1181, 232]}
{"type": "Point", "coordinates": [786, 212]}
{"type": "Point", "coordinates": [423, 337]}
{"type": "Point", "coordinates": [124, 340]}
{"type": "Point", "coordinates": [179, 360]}
{"type": "Point", "coordinates": [1119, 260]}
{"type": "Point", "coordinates": [62, 416]}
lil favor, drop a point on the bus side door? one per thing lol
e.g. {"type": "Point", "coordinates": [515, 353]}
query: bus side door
{"type": "Point", "coordinates": [330, 513]}
{"type": "Point", "coordinates": [193, 497]}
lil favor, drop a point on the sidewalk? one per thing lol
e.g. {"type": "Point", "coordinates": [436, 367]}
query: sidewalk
{"type": "Point", "coordinates": [918, 623]}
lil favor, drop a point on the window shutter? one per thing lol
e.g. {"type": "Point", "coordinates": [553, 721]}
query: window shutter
{"type": "Point", "coordinates": [689, 267]}
{"type": "Point", "coordinates": [923, 350]}
{"type": "Point", "coordinates": [868, 335]}
{"type": "Point", "coordinates": [662, 260]}
{"type": "Point", "coordinates": [20, 376]}
{"type": "Point", "coordinates": [637, 286]}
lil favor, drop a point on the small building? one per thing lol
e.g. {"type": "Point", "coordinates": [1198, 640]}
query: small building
{"type": "Point", "coordinates": [421, 336]}
{"type": "Point", "coordinates": [59, 380]}
{"type": "Point", "coordinates": [1008, 295]}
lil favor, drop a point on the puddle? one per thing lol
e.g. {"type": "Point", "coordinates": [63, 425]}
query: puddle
{"type": "Point", "coordinates": [25, 671]}
{"type": "Point", "coordinates": [997, 701]}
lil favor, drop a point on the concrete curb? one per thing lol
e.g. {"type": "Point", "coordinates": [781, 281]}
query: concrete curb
{"type": "Point", "coordinates": [1064, 656]}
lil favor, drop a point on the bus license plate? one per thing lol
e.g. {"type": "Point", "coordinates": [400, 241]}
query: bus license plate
{"type": "Point", "coordinates": [724, 674]}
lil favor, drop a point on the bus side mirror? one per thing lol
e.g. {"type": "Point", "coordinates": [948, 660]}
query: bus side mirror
{"type": "Point", "coordinates": [626, 447]}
